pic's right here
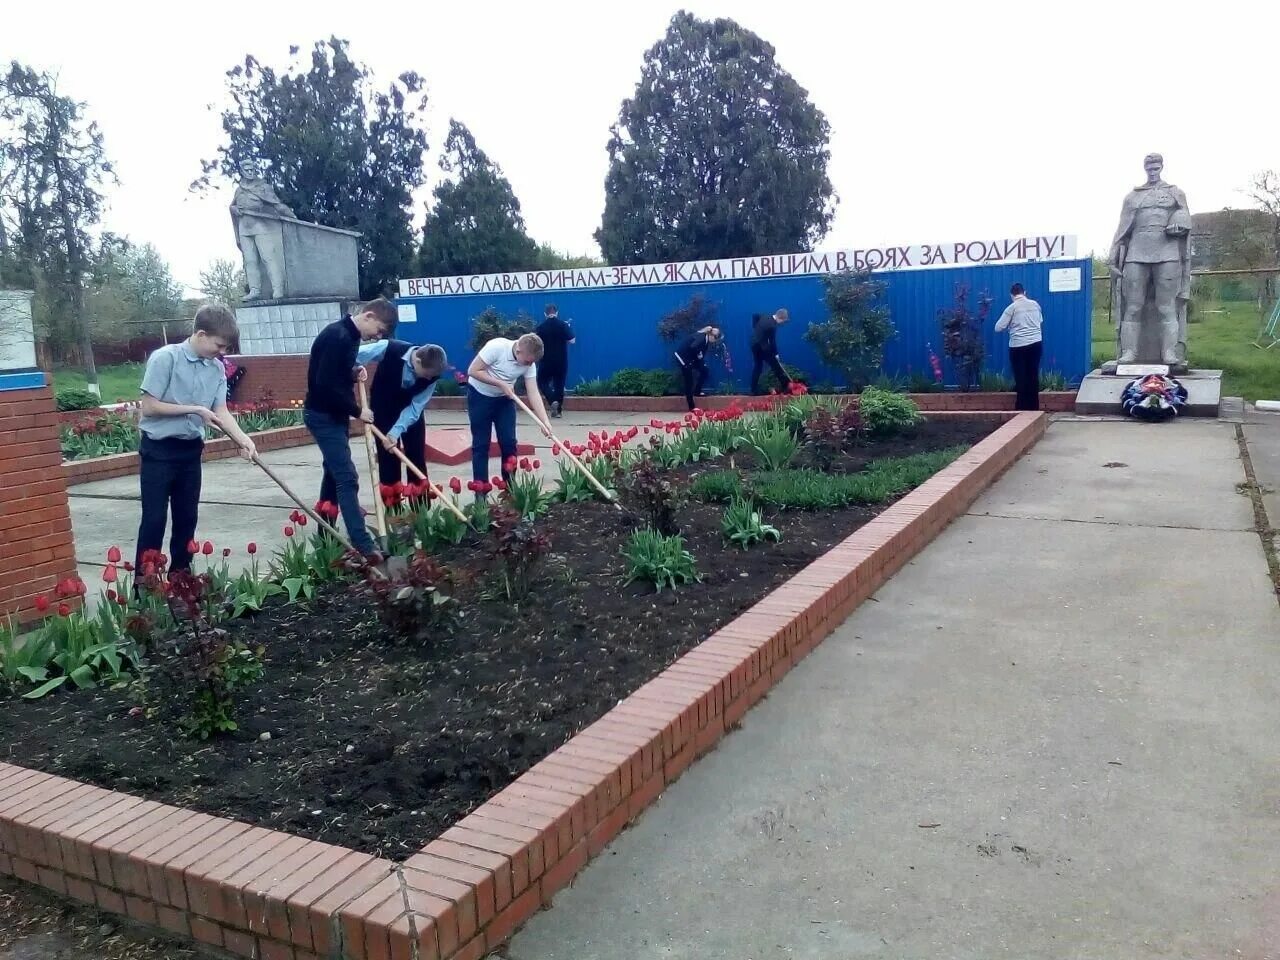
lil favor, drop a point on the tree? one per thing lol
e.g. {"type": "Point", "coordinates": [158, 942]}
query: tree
{"type": "Point", "coordinates": [128, 283]}
{"type": "Point", "coordinates": [549, 258]}
{"type": "Point", "coordinates": [223, 280]}
{"type": "Point", "coordinates": [1265, 192]}
{"type": "Point", "coordinates": [475, 225]}
{"type": "Point", "coordinates": [852, 338]}
{"type": "Point", "coordinates": [719, 153]}
{"type": "Point", "coordinates": [337, 152]}
{"type": "Point", "coordinates": [962, 331]}
{"type": "Point", "coordinates": [52, 171]}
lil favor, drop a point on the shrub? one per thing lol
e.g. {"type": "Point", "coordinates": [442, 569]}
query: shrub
{"type": "Point", "coordinates": [519, 547]}
{"type": "Point", "coordinates": [599, 387]}
{"type": "Point", "coordinates": [414, 601]}
{"type": "Point", "coordinates": [682, 321]}
{"type": "Point", "coordinates": [884, 414]}
{"type": "Point", "coordinates": [629, 382]}
{"type": "Point", "coordinates": [773, 443]}
{"type": "Point", "coordinates": [661, 383]}
{"type": "Point", "coordinates": [743, 525]}
{"type": "Point", "coordinates": [491, 323]}
{"type": "Point", "coordinates": [75, 399]}
{"type": "Point", "coordinates": [660, 560]}
{"type": "Point", "coordinates": [718, 486]}
{"type": "Point", "coordinates": [852, 338]}
{"type": "Point", "coordinates": [648, 491]}
{"type": "Point", "coordinates": [825, 435]}
{"type": "Point", "coordinates": [962, 333]}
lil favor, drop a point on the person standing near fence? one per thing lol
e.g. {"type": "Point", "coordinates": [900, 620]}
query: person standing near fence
{"type": "Point", "coordinates": [1022, 318]}
{"type": "Point", "coordinates": [553, 368]}
{"type": "Point", "coordinates": [692, 357]}
{"type": "Point", "coordinates": [764, 349]}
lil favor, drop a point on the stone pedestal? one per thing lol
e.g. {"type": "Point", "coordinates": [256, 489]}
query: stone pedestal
{"type": "Point", "coordinates": [1100, 393]}
{"type": "Point", "coordinates": [274, 327]}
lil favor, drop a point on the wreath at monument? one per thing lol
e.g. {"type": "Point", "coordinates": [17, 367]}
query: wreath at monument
{"type": "Point", "coordinates": [1153, 398]}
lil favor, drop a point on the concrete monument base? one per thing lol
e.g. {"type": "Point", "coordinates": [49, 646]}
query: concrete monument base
{"type": "Point", "coordinates": [271, 327]}
{"type": "Point", "coordinates": [1100, 393]}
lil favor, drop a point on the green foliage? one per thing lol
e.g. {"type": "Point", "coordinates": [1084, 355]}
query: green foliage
{"type": "Point", "coordinates": [598, 387]}
{"type": "Point", "coordinates": [657, 559]}
{"type": "Point", "coordinates": [718, 153]}
{"type": "Point", "coordinates": [571, 485]}
{"type": "Point", "coordinates": [475, 225]}
{"type": "Point", "coordinates": [415, 601]}
{"type": "Point", "coordinates": [336, 150]}
{"type": "Point", "coordinates": [490, 323]}
{"type": "Point", "coordinates": [1052, 380]}
{"type": "Point", "coordinates": [631, 382]}
{"type": "Point", "coordinates": [519, 548]}
{"type": "Point", "coordinates": [76, 399]}
{"type": "Point", "coordinates": [247, 593]}
{"type": "Point", "coordinates": [718, 486]}
{"type": "Point", "coordinates": [525, 494]}
{"type": "Point", "coordinates": [773, 443]}
{"type": "Point", "coordinates": [884, 414]}
{"type": "Point", "coordinates": [769, 380]}
{"type": "Point", "coordinates": [743, 525]}
{"type": "Point", "coordinates": [99, 435]}
{"type": "Point", "coordinates": [826, 432]}
{"type": "Point", "coordinates": [436, 527]}
{"type": "Point", "coordinates": [853, 337]}
{"type": "Point", "coordinates": [680, 323]}
{"type": "Point", "coordinates": [224, 281]}
{"type": "Point", "coordinates": [548, 258]}
{"type": "Point", "coordinates": [129, 282]}
{"type": "Point", "coordinates": [992, 382]}
{"type": "Point", "coordinates": [880, 481]}
{"type": "Point", "coordinates": [24, 660]}
{"type": "Point", "coordinates": [962, 335]}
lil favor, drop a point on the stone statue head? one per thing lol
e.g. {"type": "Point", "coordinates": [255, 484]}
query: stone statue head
{"type": "Point", "coordinates": [250, 169]}
{"type": "Point", "coordinates": [1153, 163]}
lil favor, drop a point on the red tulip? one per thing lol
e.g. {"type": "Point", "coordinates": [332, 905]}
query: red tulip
{"type": "Point", "coordinates": [42, 604]}
{"type": "Point", "coordinates": [122, 600]}
{"type": "Point", "coordinates": [112, 595]}
{"type": "Point", "coordinates": [288, 531]}
{"type": "Point", "coordinates": [193, 547]}
{"type": "Point", "coordinates": [455, 484]}
{"type": "Point", "coordinates": [207, 549]}
{"type": "Point", "coordinates": [537, 464]}
{"type": "Point", "coordinates": [555, 449]}
{"type": "Point", "coordinates": [509, 464]}
{"type": "Point", "coordinates": [148, 569]}
{"type": "Point", "coordinates": [524, 464]}
{"type": "Point", "coordinates": [226, 552]}
{"type": "Point", "coordinates": [128, 566]}
{"type": "Point", "coordinates": [252, 548]}
{"type": "Point", "coordinates": [64, 610]}
{"type": "Point", "coordinates": [113, 555]}
{"type": "Point", "coordinates": [302, 519]}
{"type": "Point", "coordinates": [109, 574]}
{"type": "Point", "coordinates": [483, 487]}
{"type": "Point", "coordinates": [498, 483]}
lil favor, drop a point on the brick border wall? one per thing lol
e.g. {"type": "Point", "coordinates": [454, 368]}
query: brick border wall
{"type": "Point", "coordinates": [273, 896]}
{"type": "Point", "coordinates": [36, 544]}
{"type": "Point", "coordinates": [286, 378]}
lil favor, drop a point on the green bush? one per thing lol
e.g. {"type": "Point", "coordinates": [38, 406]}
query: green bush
{"type": "Point", "coordinates": [773, 443]}
{"type": "Point", "coordinates": [719, 486]}
{"type": "Point", "coordinates": [662, 561]}
{"type": "Point", "coordinates": [73, 399]}
{"type": "Point", "coordinates": [853, 338]}
{"type": "Point", "coordinates": [885, 413]}
{"type": "Point", "coordinates": [491, 323]}
{"type": "Point", "coordinates": [661, 383]}
{"type": "Point", "coordinates": [770, 380]}
{"type": "Point", "coordinates": [599, 387]}
{"type": "Point", "coordinates": [629, 382]}
{"type": "Point", "coordinates": [880, 481]}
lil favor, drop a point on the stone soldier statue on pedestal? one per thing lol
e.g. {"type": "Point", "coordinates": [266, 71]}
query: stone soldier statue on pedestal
{"type": "Point", "coordinates": [260, 238]}
{"type": "Point", "coordinates": [1151, 273]}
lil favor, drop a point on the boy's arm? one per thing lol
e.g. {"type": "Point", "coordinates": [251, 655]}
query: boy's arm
{"type": "Point", "coordinates": [480, 370]}
{"type": "Point", "coordinates": [535, 400]}
{"type": "Point", "coordinates": [1004, 318]}
{"type": "Point", "coordinates": [227, 421]}
{"type": "Point", "coordinates": [155, 380]}
{"type": "Point", "coordinates": [369, 352]}
{"type": "Point", "coordinates": [410, 415]}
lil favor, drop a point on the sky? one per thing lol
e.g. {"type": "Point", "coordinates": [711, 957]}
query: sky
{"type": "Point", "coordinates": [950, 120]}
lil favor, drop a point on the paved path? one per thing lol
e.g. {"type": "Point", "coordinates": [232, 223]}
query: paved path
{"type": "Point", "coordinates": [1054, 735]}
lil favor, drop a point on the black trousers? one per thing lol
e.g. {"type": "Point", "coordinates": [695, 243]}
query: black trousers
{"type": "Point", "coordinates": [759, 359]}
{"type": "Point", "coordinates": [551, 378]}
{"type": "Point", "coordinates": [1025, 362]}
{"type": "Point", "coordinates": [391, 469]}
{"type": "Point", "coordinates": [695, 378]}
{"type": "Point", "coordinates": [169, 480]}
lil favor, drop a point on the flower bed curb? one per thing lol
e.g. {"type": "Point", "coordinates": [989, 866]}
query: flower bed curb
{"type": "Point", "coordinates": [268, 895]}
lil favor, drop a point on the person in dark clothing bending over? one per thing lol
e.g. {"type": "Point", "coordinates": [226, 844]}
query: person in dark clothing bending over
{"type": "Point", "coordinates": [402, 387]}
{"type": "Point", "coordinates": [331, 405]}
{"type": "Point", "coordinates": [553, 368]}
{"type": "Point", "coordinates": [692, 359]}
{"type": "Point", "coordinates": [764, 349]}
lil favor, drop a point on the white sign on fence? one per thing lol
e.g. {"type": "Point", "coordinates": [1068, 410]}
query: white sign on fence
{"type": "Point", "coordinates": [921, 256]}
{"type": "Point", "coordinates": [1064, 280]}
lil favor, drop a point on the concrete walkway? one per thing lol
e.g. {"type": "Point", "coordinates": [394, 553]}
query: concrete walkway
{"type": "Point", "coordinates": [1054, 735]}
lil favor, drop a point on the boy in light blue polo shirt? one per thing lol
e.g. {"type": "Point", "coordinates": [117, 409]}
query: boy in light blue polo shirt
{"type": "Point", "coordinates": [184, 388]}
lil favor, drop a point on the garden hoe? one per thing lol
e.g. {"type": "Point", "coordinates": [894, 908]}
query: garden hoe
{"type": "Point", "coordinates": [413, 468]}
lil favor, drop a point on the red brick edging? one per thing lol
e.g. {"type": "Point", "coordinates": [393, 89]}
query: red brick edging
{"type": "Point", "coordinates": [262, 894]}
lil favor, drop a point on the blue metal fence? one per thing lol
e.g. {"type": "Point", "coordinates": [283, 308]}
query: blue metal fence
{"type": "Point", "coordinates": [616, 327]}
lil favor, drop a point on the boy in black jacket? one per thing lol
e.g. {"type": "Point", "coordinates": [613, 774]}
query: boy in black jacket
{"type": "Point", "coordinates": [764, 349]}
{"type": "Point", "coordinates": [331, 405]}
{"type": "Point", "coordinates": [692, 359]}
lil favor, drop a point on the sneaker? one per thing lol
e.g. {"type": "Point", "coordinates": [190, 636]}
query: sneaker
{"type": "Point", "coordinates": [556, 409]}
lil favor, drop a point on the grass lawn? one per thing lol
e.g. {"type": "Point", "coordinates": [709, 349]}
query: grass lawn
{"type": "Point", "coordinates": [119, 382]}
{"type": "Point", "coordinates": [1219, 337]}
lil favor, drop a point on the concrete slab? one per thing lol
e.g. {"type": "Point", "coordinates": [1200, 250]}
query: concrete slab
{"type": "Point", "coordinates": [1100, 392]}
{"type": "Point", "coordinates": [1043, 740]}
{"type": "Point", "coordinates": [1262, 434]}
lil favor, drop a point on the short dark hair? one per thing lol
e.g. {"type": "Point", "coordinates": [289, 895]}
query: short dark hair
{"type": "Point", "coordinates": [383, 310]}
{"type": "Point", "coordinates": [1017, 290]}
{"type": "Point", "coordinates": [431, 355]}
{"type": "Point", "coordinates": [550, 309]}
{"type": "Point", "coordinates": [216, 320]}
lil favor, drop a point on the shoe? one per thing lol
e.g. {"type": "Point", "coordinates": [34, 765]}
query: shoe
{"type": "Point", "coordinates": [555, 409]}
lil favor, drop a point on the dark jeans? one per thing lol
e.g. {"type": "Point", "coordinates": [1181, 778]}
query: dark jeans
{"type": "Point", "coordinates": [1025, 362]}
{"type": "Point", "coordinates": [759, 359]}
{"type": "Point", "coordinates": [391, 469]}
{"type": "Point", "coordinates": [340, 483]}
{"type": "Point", "coordinates": [169, 478]}
{"type": "Point", "coordinates": [551, 382]}
{"type": "Point", "coordinates": [487, 415]}
{"type": "Point", "coordinates": [695, 378]}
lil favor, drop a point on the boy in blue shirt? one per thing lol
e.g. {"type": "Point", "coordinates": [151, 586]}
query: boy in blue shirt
{"type": "Point", "coordinates": [402, 386]}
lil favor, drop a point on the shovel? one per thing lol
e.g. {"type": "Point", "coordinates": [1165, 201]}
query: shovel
{"type": "Point", "coordinates": [379, 508]}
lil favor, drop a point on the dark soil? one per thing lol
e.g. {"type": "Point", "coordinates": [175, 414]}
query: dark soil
{"type": "Point", "coordinates": [379, 744]}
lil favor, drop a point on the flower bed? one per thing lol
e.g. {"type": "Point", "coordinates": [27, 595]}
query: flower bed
{"type": "Point", "coordinates": [418, 720]}
{"type": "Point", "coordinates": [259, 893]}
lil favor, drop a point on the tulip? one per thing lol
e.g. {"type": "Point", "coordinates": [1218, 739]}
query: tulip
{"type": "Point", "coordinates": [537, 464]}
{"type": "Point", "coordinates": [252, 548]}
{"type": "Point", "coordinates": [148, 569]}
{"type": "Point", "coordinates": [555, 449]}
{"type": "Point", "coordinates": [64, 610]}
{"type": "Point", "coordinates": [456, 485]}
{"type": "Point", "coordinates": [483, 487]}
{"type": "Point", "coordinates": [226, 552]}
{"type": "Point", "coordinates": [288, 531]}
{"type": "Point", "coordinates": [42, 604]}
{"type": "Point", "coordinates": [193, 547]}
{"type": "Point", "coordinates": [524, 464]}
{"type": "Point", "coordinates": [498, 483]}
{"type": "Point", "coordinates": [128, 566]}
{"type": "Point", "coordinates": [112, 596]}
{"type": "Point", "coordinates": [207, 549]}
{"type": "Point", "coordinates": [113, 555]}
{"type": "Point", "coordinates": [109, 574]}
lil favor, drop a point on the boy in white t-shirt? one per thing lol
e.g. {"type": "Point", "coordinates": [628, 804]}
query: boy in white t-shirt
{"type": "Point", "coordinates": [491, 393]}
